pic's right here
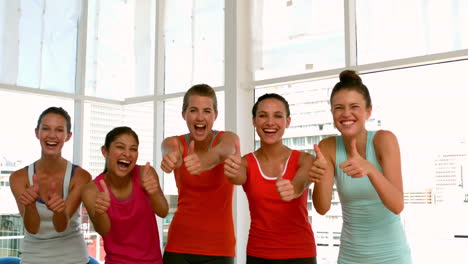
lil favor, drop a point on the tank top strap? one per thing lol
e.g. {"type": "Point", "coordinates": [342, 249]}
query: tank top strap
{"type": "Point", "coordinates": [340, 151]}
{"type": "Point", "coordinates": [186, 140]}
{"type": "Point", "coordinates": [66, 178]}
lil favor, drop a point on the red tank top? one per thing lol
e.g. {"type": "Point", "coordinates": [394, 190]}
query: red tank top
{"type": "Point", "coordinates": [278, 229]}
{"type": "Point", "coordinates": [202, 223]}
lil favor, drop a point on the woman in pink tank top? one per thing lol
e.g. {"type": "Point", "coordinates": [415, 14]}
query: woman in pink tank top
{"type": "Point", "coordinates": [123, 200]}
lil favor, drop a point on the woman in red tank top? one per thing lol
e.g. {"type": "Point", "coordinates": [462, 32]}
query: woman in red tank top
{"type": "Point", "coordinates": [275, 179]}
{"type": "Point", "coordinates": [202, 229]}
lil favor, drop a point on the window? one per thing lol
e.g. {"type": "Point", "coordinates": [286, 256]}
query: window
{"type": "Point", "coordinates": [294, 37]}
{"type": "Point", "coordinates": [422, 28]}
{"type": "Point", "coordinates": [194, 43]}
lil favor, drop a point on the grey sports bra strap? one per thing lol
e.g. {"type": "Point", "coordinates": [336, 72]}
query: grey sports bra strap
{"type": "Point", "coordinates": [66, 178]}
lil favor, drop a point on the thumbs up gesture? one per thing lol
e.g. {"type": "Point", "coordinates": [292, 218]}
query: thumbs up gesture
{"type": "Point", "coordinates": [232, 163]}
{"type": "Point", "coordinates": [284, 187]}
{"type": "Point", "coordinates": [148, 181]}
{"type": "Point", "coordinates": [172, 159]}
{"type": "Point", "coordinates": [356, 166]}
{"type": "Point", "coordinates": [192, 161]}
{"type": "Point", "coordinates": [319, 166]}
{"type": "Point", "coordinates": [102, 199]}
{"type": "Point", "coordinates": [55, 203]}
{"type": "Point", "coordinates": [31, 194]}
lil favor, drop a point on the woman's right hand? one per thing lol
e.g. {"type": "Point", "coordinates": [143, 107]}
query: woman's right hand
{"type": "Point", "coordinates": [102, 199]}
{"type": "Point", "coordinates": [318, 169]}
{"type": "Point", "coordinates": [172, 159]}
{"type": "Point", "coordinates": [31, 194]}
{"type": "Point", "coordinates": [232, 164]}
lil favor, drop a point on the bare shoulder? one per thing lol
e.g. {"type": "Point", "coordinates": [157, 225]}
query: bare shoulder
{"type": "Point", "coordinates": [328, 145]}
{"type": "Point", "coordinates": [306, 157]}
{"type": "Point", "coordinates": [81, 176]}
{"type": "Point", "coordinates": [228, 135]}
{"type": "Point", "coordinates": [19, 176]}
{"type": "Point", "coordinates": [385, 138]}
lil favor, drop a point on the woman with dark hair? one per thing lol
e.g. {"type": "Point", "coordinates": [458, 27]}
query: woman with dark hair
{"type": "Point", "coordinates": [47, 193]}
{"type": "Point", "coordinates": [123, 200]}
{"type": "Point", "coordinates": [367, 170]}
{"type": "Point", "coordinates": [275, 179]}
{"type": "Point", "coordinates": [202, 229]}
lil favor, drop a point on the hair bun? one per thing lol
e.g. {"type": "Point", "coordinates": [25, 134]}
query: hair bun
{"type": "Point", "coordinates": [350, 77]}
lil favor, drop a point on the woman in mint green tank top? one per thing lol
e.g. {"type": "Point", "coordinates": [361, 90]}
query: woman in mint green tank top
{"type": "Point", "coordinates": [366, 167]}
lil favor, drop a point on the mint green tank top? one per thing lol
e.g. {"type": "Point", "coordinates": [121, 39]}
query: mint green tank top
{"type": "Point", "coordinates": [371, 234]}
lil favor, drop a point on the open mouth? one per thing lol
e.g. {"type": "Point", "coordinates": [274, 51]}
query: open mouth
{"type": "Point", "coordinates": [200, 128]}
{"type": "Point", "coordinates": [347, 123]}
{"type": "Point", "coordinates": [51, 144]}
{"type": "Point", "coordinates": [123, 164]}
{"type": "Point", "coordinates": [269, 131]}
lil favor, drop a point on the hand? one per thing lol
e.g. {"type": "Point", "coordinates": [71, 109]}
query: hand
{"type": "Point", "coordinates": [233, 163]}
{"type": "Point", "coordinates": [284, 187]}
{"type": "Point", "coordinates": [55, 203]}
{"type": "Point", "coordinates": [102, 199]}
{"type": "Point", "coordinates": [148, 181]}
{"type": "Point", "coordinates": [192, 161]}
{"type": "Point", "coordinates": [319, 166]}
{"type": "Point", "coordinates": [31, 194]}
{"type": "Point", "coordinates": [355, 166]}
{"type": "Point", "coordinates": [172, 159]}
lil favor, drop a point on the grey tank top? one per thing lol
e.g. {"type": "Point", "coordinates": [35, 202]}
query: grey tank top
{"type": "Point", "coordinates": [48, 244]}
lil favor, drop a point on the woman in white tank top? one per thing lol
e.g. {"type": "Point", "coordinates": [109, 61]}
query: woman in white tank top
{"type": "Point", "coordinates": [48, 196]}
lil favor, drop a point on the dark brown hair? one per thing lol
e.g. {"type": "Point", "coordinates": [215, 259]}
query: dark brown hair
{"type": "Point", "coordinates": [271, 96]}
{"type": "Point", "coordinates": [350, 80]}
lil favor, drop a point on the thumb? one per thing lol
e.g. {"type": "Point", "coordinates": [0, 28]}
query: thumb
{"type": "Point", "coordinates": [237, 148]}
{"type": "Point", "coordinates": [35, 183]}
{"type": "Point", "coordinates": [318, 152]}
{"type": "Point", "coordinates": [52, 189]}
{"type": "Point", "coordinates": [146, 170]}
{"type": "Point", "coordinates": [104, 186]}
{"type": "Point", "coordinates": [175, 144]}
{"type": "Point", "coordinates": [353, 151]}
{"type": "Point", "coordinates": [281, 169]}
{"type": "Point", "coordinates": [191, 147]}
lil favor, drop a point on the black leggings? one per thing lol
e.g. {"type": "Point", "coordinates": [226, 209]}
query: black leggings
{"type": "Point", "coordinates": [254, 260]}
{"type": "Point", "coordinates": [181, 258]}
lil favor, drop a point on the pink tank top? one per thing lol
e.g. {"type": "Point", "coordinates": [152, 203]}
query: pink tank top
{"type": "Point", "coordinates": [133, 237]}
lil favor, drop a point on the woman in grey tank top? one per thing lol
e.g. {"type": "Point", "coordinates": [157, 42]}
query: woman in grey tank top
{"type": "Point", "coordinates": [47, 193]}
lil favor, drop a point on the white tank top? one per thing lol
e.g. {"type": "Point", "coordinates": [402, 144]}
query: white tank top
{"type": "Point", "coordinates": [48, 244]}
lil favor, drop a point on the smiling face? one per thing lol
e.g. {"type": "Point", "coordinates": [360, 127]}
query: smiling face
{"type": "Point", "coordinates": [200, 116]}
{"type": "Point", "coordinates": [350, 112]}
{"type": "Point", "coordinates": [121, 155]}
{"type": "Point", "coordinates": [270, 120]}
{"type": "Point", "coordinates": [52, 133]}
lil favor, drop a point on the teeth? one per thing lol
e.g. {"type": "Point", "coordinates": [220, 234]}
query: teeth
{"type": "Point", "coordinates": [124, 161]}
{"type": "Point", "coordinates": [347, 123]}
{"type": "Point", "coordinates": [199, 126]}
{"type": "Point", "coordinates": [51, 143]}
{"type": "Point", "coordinates": [270, 130]}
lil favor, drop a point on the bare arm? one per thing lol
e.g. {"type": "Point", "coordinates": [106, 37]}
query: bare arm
{"type": "Point", "coordinates": [388, 185]}
{"type": "Point", "coordinates": [96, 204]}
{"type": "Point", "coordinates": [150, 182]}
{"type": "Point", "coordinates": [64, 210]}
{"type": "Point", "coordinates": [323, 168]}
{"type": "Point", "coordinates": [26, 197]}
{"type": "Point", "coordinates": [289, 190]}
{"type": "Point", "coordinates": [199, 162]}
